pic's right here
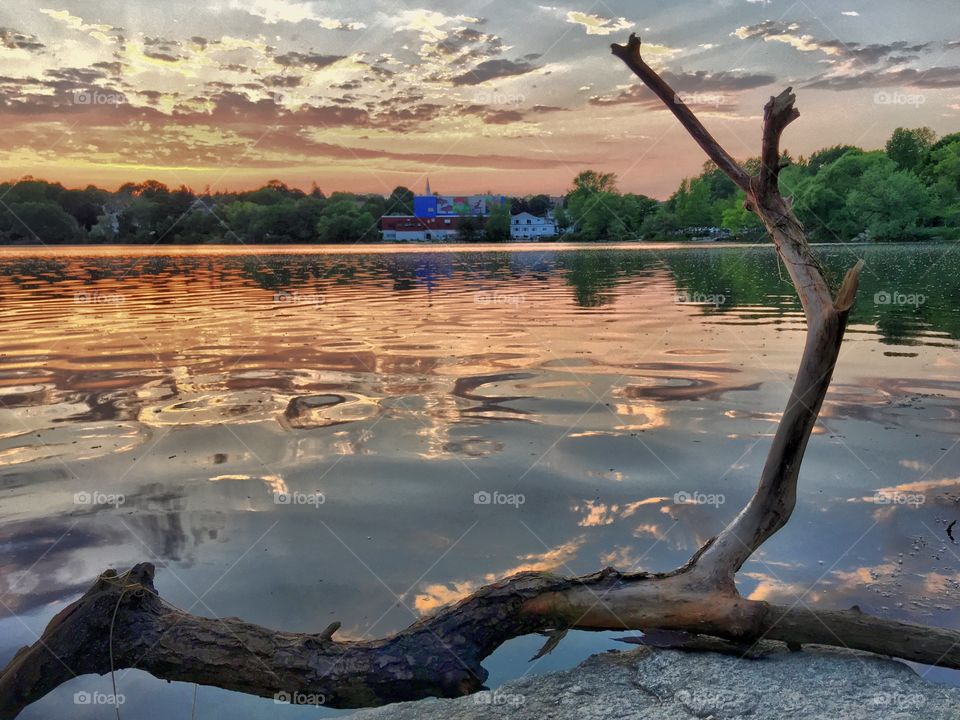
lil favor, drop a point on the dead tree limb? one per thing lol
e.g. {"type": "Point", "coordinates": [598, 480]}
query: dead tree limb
{"type": "Point", "coordinates": [441, 655]}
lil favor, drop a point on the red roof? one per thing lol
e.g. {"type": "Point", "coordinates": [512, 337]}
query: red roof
{"type": "Point", "coordinates": [410, 223]}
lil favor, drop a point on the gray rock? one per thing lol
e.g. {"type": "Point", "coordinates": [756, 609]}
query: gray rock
{"type": "Point", "coordinates": [647, 684]}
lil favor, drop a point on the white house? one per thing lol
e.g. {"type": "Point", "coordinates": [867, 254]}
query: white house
{"type": "Point", "coordinates": [530, 227]}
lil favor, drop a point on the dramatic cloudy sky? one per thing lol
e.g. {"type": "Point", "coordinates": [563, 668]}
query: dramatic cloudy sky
{"type": "Point", "coordinates": [499, 95]}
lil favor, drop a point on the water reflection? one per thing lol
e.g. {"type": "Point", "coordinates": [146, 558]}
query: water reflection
{"type": "Point", "coordinates": [597, 384]}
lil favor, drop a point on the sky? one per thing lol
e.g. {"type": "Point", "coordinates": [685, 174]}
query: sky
{"type": "Point", "coordinates": [498, 96]}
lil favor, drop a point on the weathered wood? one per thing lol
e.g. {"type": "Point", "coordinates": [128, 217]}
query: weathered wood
{"type": "Point", "coordinates": [441, 655]}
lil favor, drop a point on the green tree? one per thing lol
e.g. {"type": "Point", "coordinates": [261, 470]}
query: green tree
{"type": "Point", "coordinates": [343, 221]}
{"type": "Point", "coordinates": [400, 201]}
{"type": "Point", "coordinates": [44, 222]}
{"type": "Point", "coordinates": [909, 148]}
{"type": "Point", "coordinates": [497, 228]}
{"type": "Point", "coordinates": [590, 181]}
{"type": "Point", "coordinates": [539, 205]}
{"type": "Point", "coordinates": [889, 203]}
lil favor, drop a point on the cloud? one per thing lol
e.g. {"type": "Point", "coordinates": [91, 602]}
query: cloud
{"type": "Point", "coordinates": [935, 78]}
{"type": "Point", "coordinates": [776, 31]}
{"type": "Point", "coordinates": [19, 41]}
{"type": "Point", "coordinates": [597, 25]}
{"type": "Point", "coordinates": [840, 54]}
{"type": "Point", "coordinates": [313, 60]}
{"type": "Point", "coordinates": [493, 69]}
{"type": "Point", "coordinates": [430, 24]}
{"type": "Point", "coordinates": [694, 88]}
{"type": "Point", "coordinates": [276, 11]}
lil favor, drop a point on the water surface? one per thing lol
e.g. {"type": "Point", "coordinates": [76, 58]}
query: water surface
{"type": "Point", "coordinates": [163, 404]}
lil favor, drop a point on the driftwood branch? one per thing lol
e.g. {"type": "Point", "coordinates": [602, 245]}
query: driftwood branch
{"type": "Point", "coordinates": [442, 655]}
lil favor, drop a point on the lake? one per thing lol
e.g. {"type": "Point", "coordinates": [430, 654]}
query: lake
{"type": "Point", "coordinates": [301, 435]}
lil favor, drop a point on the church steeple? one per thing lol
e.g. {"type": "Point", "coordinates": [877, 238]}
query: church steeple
{"type": "Point", "coordinates": [428, 187]}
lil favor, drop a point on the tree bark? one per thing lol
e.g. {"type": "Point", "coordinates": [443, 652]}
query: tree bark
{"type": "Point", "coordinates": [122, 622]}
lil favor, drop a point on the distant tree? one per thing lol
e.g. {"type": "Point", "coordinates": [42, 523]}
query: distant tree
{"type": "Point", "coordinates": [400, 201]}
{"type": "Point", "coordinates": [497, 228]}
{"type": "Point", "coordinates": [909, 148]}
{"type": "Point", "coordinates": [942, 173]}
{"type": "Point", "coordinates": [85, 206]}
{"type": "Point", "coordinates": [738, 220]}
{"type": "Point", "coordinates": [343, 221]}
{"type": "Point", "coordinates": [591, 181]}
{"type": "Point", "coordinates": [44, 222]}
{"type": "Point", "coordinates": [889, 204]}
{"type": "Point", "coordinates": [468, 229]}
{"type": "Point", "coordinates": [829, 156]}
{"type": "Point", "coordinates": [539, 205]}
{"type": "Point", "coordinates": [519, 205]}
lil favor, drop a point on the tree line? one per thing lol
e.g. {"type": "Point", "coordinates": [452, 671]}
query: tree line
{"type": "Point", "coordinates": [908, 191]}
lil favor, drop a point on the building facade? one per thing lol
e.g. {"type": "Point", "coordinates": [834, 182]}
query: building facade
{"type": "Point", "coordinates": [407, 228]}
{"type": "Point", "coordinates": [437, 217]}
{"type": "Point", "coordinates": [530, 227]}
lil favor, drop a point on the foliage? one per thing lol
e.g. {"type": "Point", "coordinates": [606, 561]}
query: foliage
{"type": "Point", "coordinates": [597, 211]}
{"type": "Point", "coordinates": [909, 190]}
{"type": "Point", "coordinates": [497, 228]}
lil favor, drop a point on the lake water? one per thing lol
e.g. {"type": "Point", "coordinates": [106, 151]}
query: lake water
{"type": "Point", "coordinates": [296, 436]}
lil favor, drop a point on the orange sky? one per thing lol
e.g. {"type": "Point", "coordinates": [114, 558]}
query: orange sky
{"type": "Point", "coordinates": [483, 96]}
